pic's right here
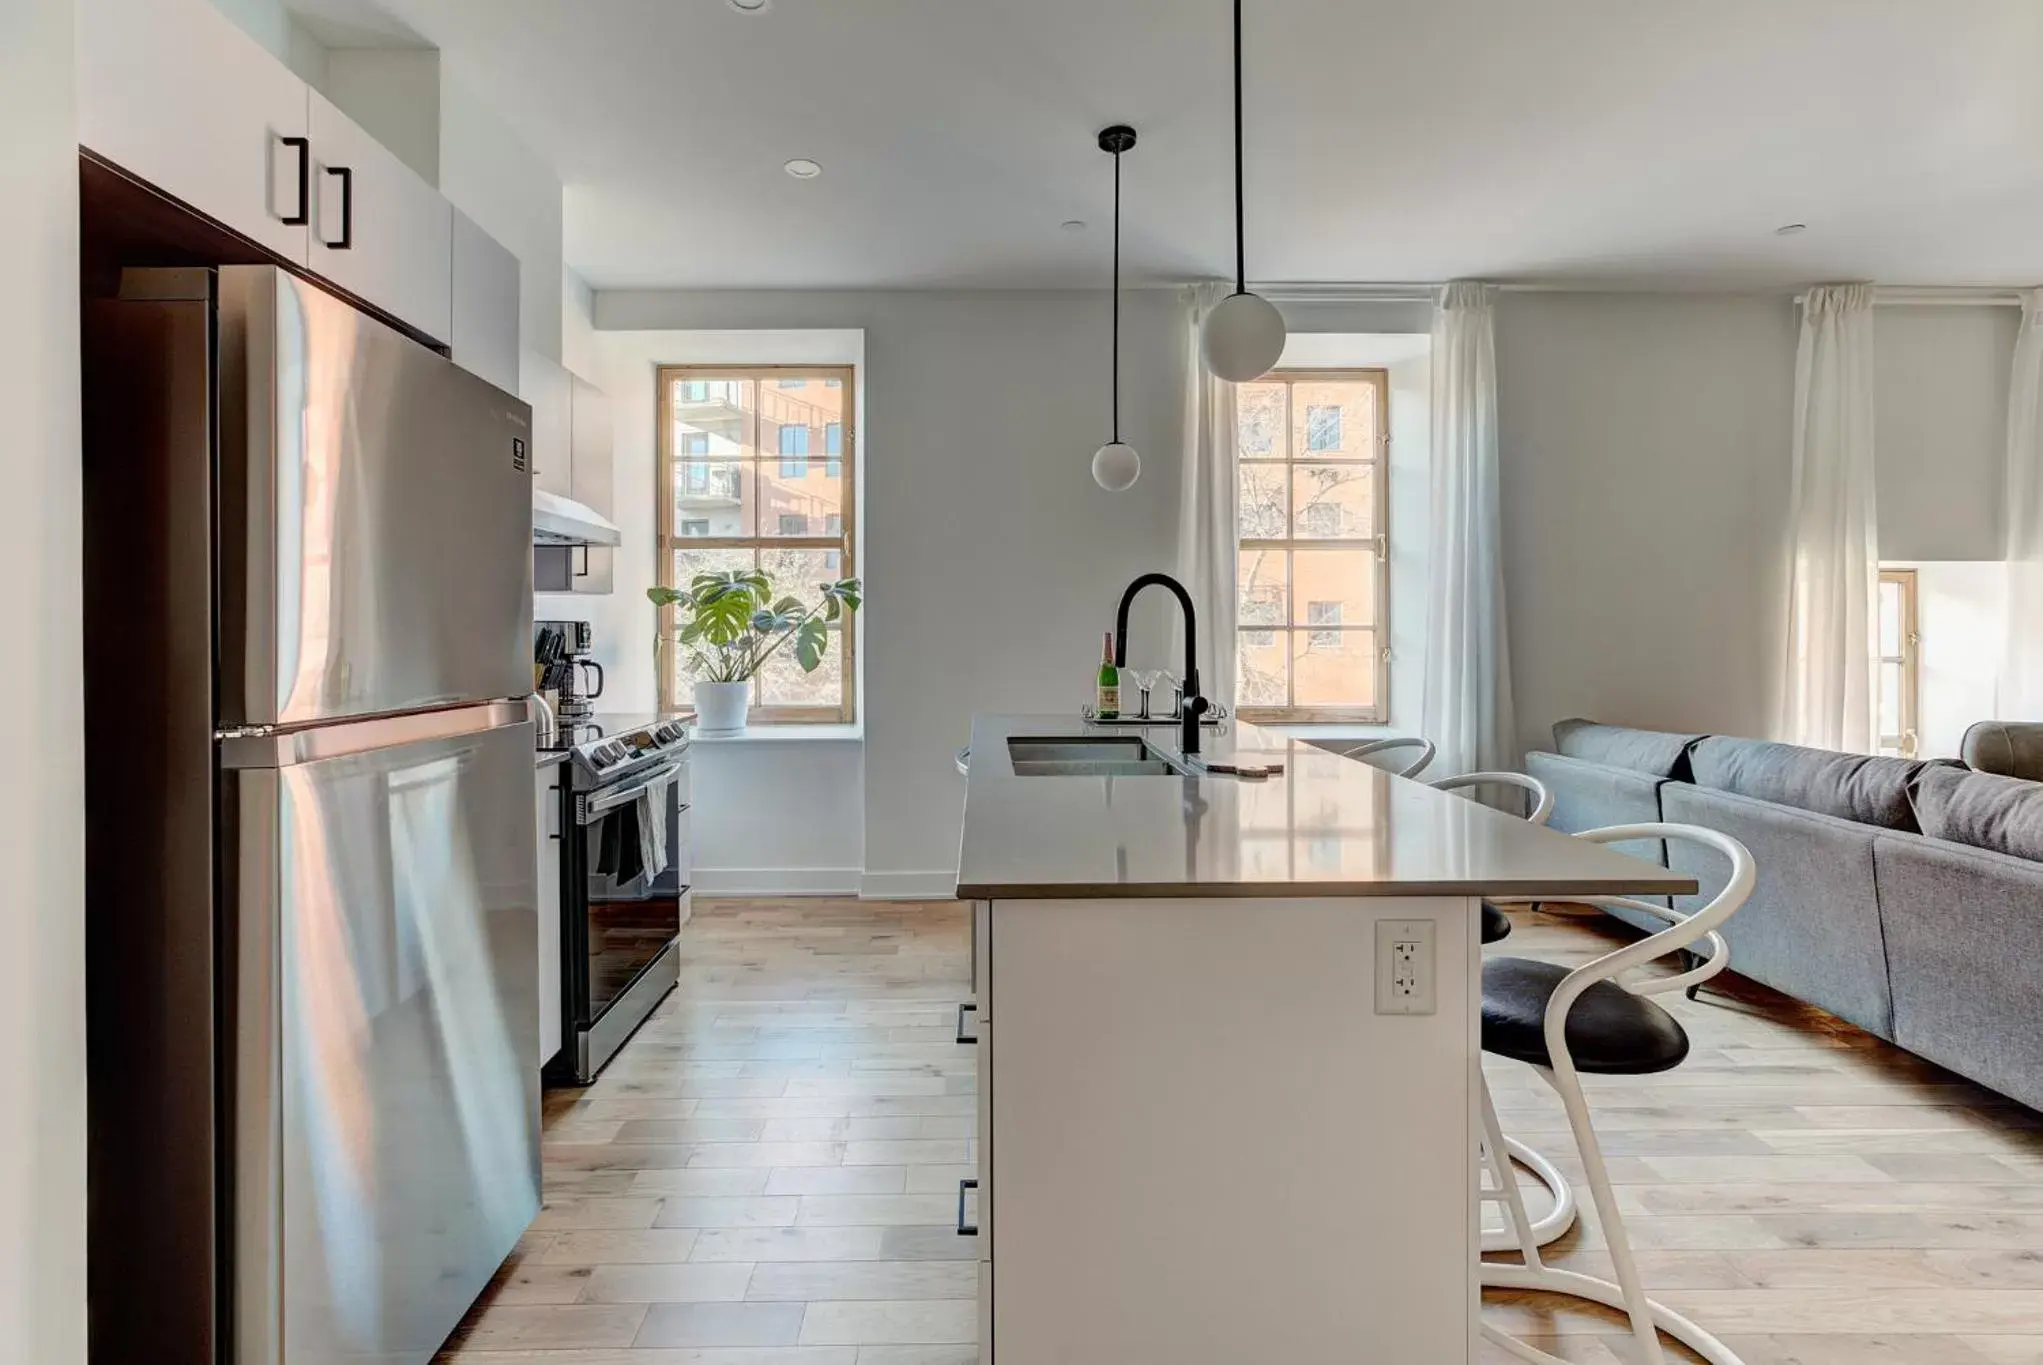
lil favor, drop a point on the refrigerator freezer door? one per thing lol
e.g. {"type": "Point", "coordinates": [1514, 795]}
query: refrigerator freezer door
{"type": "Point", "coordinates": [386, 1105]}
{"type": "Point", "coordinates": [376, 515]}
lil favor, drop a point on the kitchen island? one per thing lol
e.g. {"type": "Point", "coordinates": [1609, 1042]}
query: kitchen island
{"type": "Point", "coordinates": [1228, 1045]}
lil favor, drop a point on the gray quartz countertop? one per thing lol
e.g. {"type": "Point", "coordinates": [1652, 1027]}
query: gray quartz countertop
{"type": "Point", "coordinates": [547, 758]}
{"type": "Point", "coordinates": [1327, 826]}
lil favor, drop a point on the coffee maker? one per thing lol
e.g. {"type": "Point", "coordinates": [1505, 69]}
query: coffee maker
{"type": "Point", "coordinates": [560, 656]}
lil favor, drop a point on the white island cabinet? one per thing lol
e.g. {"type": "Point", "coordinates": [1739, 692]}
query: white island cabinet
{"type": "Point", "coordinates": [1228, 1042]}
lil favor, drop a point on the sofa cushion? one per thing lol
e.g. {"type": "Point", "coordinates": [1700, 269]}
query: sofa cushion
{"type": "Point", "coordinates": [2010, 748]}
{"type": "Point", "coordinates": [1964, 931]}
{"type": "Point", "coordinates": [1871, 791]}
{"type": "Point", "coordinates": [1985, 810]}
{"type": "Point", "coordinates": [1654, 752]}
{"type": "Point", "coordinates": [1811, 927]}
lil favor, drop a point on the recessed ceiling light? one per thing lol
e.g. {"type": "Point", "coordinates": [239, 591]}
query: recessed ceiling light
{"type": "Point", "coordinates": [749, 6]}
{"type": "Point", "coordinates": [1790, 229]}
{"type": "Point", "coordinates": [1073, 225]}
{"type": "Point", "coordinates": [801, 168]}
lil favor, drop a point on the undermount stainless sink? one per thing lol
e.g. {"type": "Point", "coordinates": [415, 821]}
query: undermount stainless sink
{"type": "Point", "coordinates": [1088, 756]}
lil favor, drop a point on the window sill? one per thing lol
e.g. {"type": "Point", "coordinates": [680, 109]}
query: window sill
{"type": "Point", "coordinates": [1309, 730]}
{"type": "Point", "coordinates": [789, 734]}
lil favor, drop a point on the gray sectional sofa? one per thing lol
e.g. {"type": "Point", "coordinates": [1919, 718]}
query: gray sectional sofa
{"type": "Point", "coordinates": [1904, 896]}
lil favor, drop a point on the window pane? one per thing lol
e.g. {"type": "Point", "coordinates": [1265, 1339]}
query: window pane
{"type": "Point", "coordinates": [1263, 667]}
{"type": "Point", "coordinates": [782, 682]}
{"type": "Point", "coordinates": [1334, 501]}
{"type": "Point", "coordinates": [688, 563]}
{"type": "Point", "coordinates": [1890, 620]}
{"type": "Point", "coordinates": [1339, 580]}
{"type": "Point", "coordinates": [795, 573]}
{"type": "Point", "coordinates": [1261, 501]}
{"type": "Point", "coordinates": [1261, 588]}
{"type": "Point", "coordinates": [833, 438]}
{"type": "Point", "coordinates": [1335, 417]}
{"type": "Point", "coordinates": [813, 495]}
{"type": "Point", "coordinates": [719, 492]}
{"type": "Point", "coordinates": [1323, 427]}
{"type": "Point", "coordinates": [712, 416]}
{"type": "Point", "coordinates": [1259, 421]}
{"type": "Point", "coordinates": [1335, 667]}
{"type": "Point", "coordinates": [1890, 699]}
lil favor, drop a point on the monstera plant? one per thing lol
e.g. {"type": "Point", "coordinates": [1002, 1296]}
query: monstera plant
{"type": "Point", "coordinates": [731, 623]}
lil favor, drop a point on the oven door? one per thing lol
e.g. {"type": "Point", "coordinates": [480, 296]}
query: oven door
{"type": "Point", "coordinates": [626, 918]}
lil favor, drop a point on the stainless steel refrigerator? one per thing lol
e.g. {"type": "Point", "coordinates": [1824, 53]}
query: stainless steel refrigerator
{"type": "Point", "coordinates": [312, 900]}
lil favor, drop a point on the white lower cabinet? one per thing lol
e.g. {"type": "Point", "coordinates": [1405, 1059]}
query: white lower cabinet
{"type": "Point", "coordinates": [379, 231]}
{"type": "Point", "coordinates": [549, 815]}
{"type": "Point", "coordinates": [1199, 1143]}
{"type": "Point", "coordinates": [174, 94]}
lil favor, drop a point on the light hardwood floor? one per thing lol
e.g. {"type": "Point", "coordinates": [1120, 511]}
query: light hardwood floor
{"type": "Point", "coordinates": [765, 1176]}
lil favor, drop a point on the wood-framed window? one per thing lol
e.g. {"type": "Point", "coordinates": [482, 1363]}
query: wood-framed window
{"type": "Point", "coordinates": [1313, 593]}
{"type": "Point", "coordinates": [757, 468]}
{"type": "Point", "coordinates": [1900, 663]}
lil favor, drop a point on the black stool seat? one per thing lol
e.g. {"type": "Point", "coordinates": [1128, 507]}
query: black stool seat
{"type": "Point", "coordinates": [1496, 924]}
{"type": "Point", "coordinates": [1610, 1031]}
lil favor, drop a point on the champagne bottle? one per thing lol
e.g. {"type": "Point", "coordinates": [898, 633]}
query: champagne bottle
{"type": "Point", "coordinates": [1107, 705]}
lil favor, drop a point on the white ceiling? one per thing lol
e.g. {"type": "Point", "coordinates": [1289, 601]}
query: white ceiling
{"type": "Point", "coordinates": [1625, 142]}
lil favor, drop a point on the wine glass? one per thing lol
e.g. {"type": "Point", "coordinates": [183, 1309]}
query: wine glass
{"type": "Point", "coordinates": [1145, 682]}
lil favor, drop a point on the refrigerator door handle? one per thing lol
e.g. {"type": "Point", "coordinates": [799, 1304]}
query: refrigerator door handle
{"type": "Point", "coordinates": [263, 747]}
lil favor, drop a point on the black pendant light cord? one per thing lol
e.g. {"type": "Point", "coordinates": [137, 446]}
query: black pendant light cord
{"type": "Point", "coordinates": [1117, 298]}
{"type": "Point", "coordinates": [1240, 251]}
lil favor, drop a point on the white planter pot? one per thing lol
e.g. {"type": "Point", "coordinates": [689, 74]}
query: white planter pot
{"type": "Point", "coordinates": [720, 707]}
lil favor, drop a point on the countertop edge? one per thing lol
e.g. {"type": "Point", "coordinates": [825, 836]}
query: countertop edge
{"type": "Point", "coordinates": [545, 759]}
{"type": "Point", "coordinates": [1298, 891]}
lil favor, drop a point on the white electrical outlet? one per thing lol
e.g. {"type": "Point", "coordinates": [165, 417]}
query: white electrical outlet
{"type": "Point", "coordinates": [1404, 966]}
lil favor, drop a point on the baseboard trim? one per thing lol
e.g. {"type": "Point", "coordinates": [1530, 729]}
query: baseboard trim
{"type": "Point", "coordinates": [775, 881]}
{"type": "Point", "coordinates": [941, 885]}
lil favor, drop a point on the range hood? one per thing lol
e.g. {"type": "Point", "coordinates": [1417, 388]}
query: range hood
{"type": "Point", "coordinates": [563, 521]}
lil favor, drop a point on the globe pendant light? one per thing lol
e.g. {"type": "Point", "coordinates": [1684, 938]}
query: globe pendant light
{"type": "Point", "coordinates": [1115, 465]}
{"type": "Point", "coordinates": [1243, 338]}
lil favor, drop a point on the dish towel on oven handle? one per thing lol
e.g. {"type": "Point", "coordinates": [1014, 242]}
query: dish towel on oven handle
{"type": "Point", "coordinates": [652, 829]}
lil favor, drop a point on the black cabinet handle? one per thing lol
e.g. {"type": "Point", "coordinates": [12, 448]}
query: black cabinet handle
{"type": "Point", "coordinates": [964, 1038]}
{"type": "Point", "coordinates": [302, 146]}
{"type": "Point", "coordinates": [346, 176]}
{"type": "Point", "coordinates": [966, 1229]}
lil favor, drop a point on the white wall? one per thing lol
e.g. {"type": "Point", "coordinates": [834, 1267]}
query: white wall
{"type": "Point", "coordinates": [991, 560]}
{"type": "Point", "coordinates": [1940, 429]}
{"type": "Point", "coordinates": [1646, 458]}
{"type": "Point", "coordinates": [42, 786]}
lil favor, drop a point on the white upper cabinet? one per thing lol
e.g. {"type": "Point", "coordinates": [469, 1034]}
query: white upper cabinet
{"type": "Point", "coordinates": [378, 230]}
{"type": "Point", "coordinates": [174, 94]}
{"type": "Point", "coordinates": [484, 335]}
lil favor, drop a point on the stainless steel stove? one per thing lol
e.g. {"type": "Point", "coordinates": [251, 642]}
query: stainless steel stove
{"type": "Point", "coordinates": [624, 887]}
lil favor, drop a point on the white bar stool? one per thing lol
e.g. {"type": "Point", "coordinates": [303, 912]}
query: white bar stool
{"type": "Point", "coordinates": [1367, 747]}
{"type": "Point", "coordinates": [1562, 1023]}
{"type": "Point", "coordinates": [1497, 1157]}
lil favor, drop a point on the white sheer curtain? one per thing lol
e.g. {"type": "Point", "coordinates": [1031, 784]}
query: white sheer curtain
{"type": "Point", "coordinates": [1206, 506]}
{"type": "Point", "coordinates": [2021, 684]}
{"type": "Point", "coordinates": [1467, 696]}
{"type": "Point", "coordinates": [1827, 698]}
